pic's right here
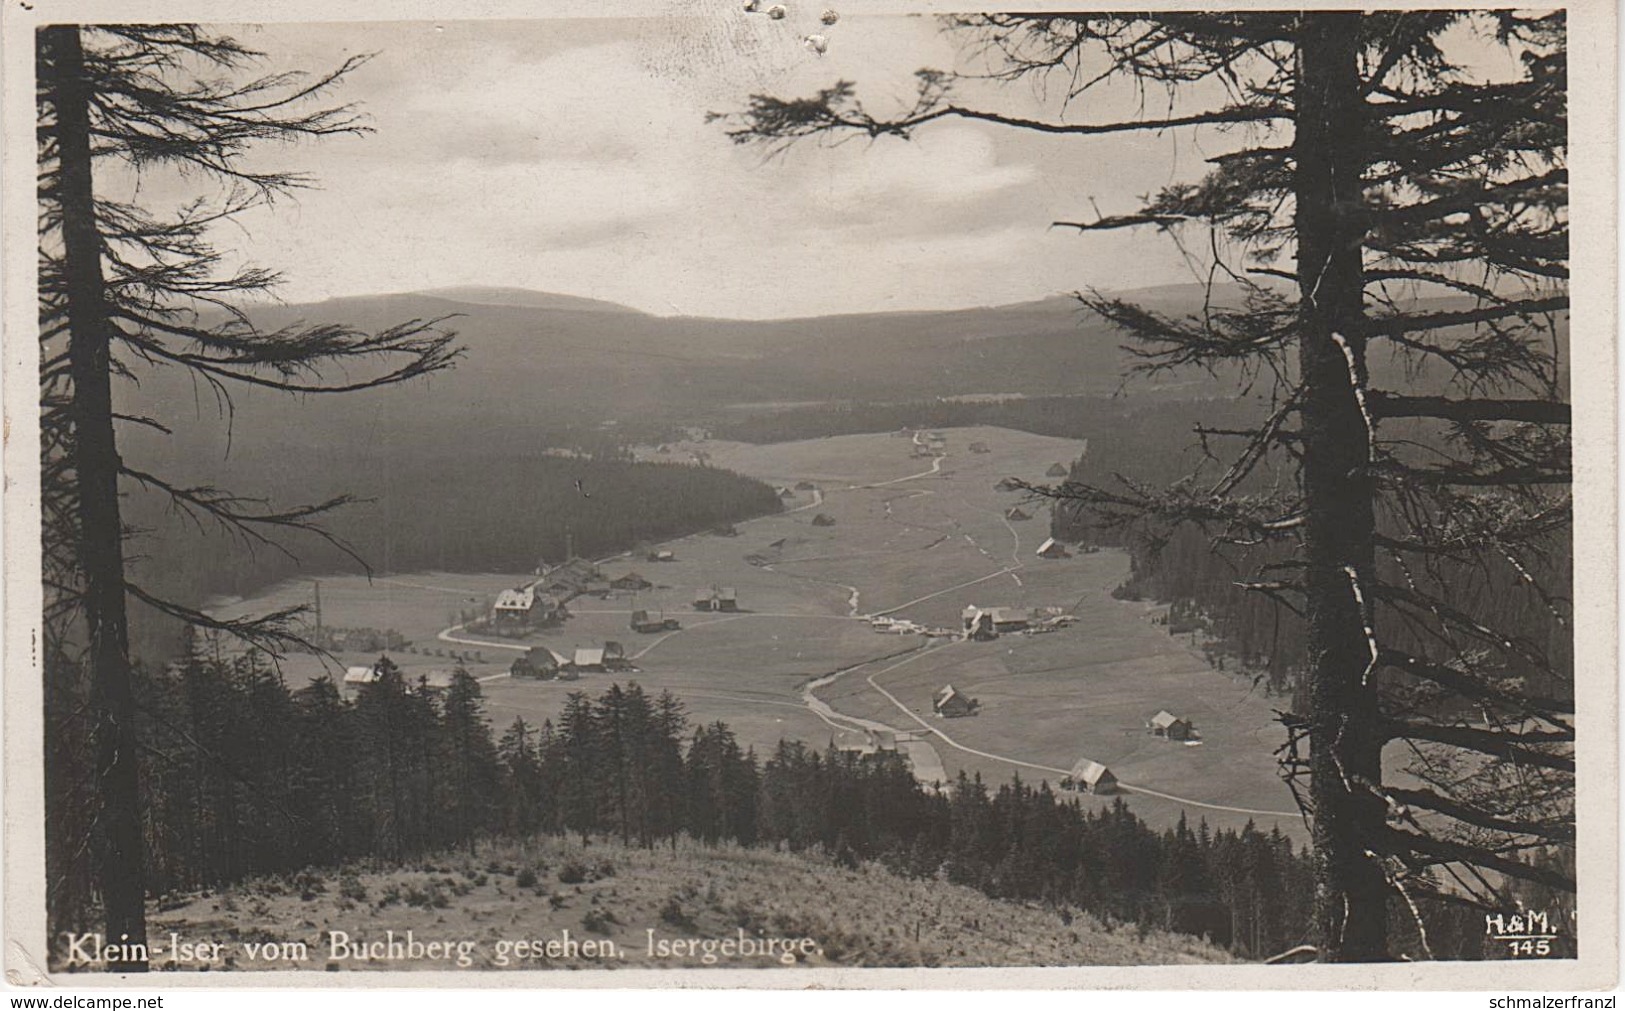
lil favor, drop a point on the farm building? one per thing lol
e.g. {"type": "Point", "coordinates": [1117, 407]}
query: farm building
{"type": "Point", "coordinates": [597, 588]}
{"type": "Point", "coordinates": [823, 520]}
{"type": "Point", "coordinates": [537, 662]}
{"type": "Point", "coordinates": [1092, 777]}
{"type": "Point", "coordinates": [883, 740]}
{"type": "Point", "coordinates": [662, 555]}
{"type": "Point", "coordinates": [979, 626]}
{"type": "Point", "coordinates": [630, 581]}
{"type": "Point", "coordinates": [950, 703]}
{"type": "Point", "coordinates": [1016, 513]}
{"type": "Point", "coordinates": [786, 493]}
{"type": "Point", "coordinates": [588, 660]}
{"type": "Point", "coordinates": [979, 447]}
{"type": "Point", "coordinates": [1166, 724]}
{"type": "Point", "coordinates": [615, 658]}
{"type": "Point", "coordinates": [717, 598]}
{"type": "Point", "coordinates": [643, 622]}
{"type": "Point", "coordinates": [1056, 470]}
{"type": "Point", "coordinates": [805, 486]}
{"type": "Point", "coordinates": [1008, 484]}
{"type": "Point", "coordinates": [1053, 548]}
{"type": "Point", "coordinates": [355, 677]}
{"type": "Point", "coordinates": [1002, 619]}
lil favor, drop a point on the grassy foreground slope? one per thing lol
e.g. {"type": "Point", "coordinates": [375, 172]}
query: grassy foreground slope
{"type": "Point", "coordinates": [863, 916]}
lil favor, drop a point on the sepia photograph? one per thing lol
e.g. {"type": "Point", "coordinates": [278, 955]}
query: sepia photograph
{"type": "Point", "coordinates": [752, 494]}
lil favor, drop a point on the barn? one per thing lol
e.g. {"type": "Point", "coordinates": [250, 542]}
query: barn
{"type": "Point", "coordinates": [1016, 513]}
{"type": "Point", "coordinates": [1166, 724]}
{"type": "Point", "coordinates": [355, 677]}
{"type": "Point", "coordinates": [630, 581]}
{"type": "Point", "coordinates": [950, 703]}
{"type": "Point", "coordinates": [1056, 470]}
{"type": "Point", "coordinates": [727, 599]}
{"type": "Point", "coordinates": [537, 662]}
{"type": "Point", "coordinates": [586, 660]}
{"type": "Point", "coordinates": [1092, 777]}
{"type": "Point", "coordinates": [1053, 548]}
{"type": "Point", "coordinates": [979, 625]}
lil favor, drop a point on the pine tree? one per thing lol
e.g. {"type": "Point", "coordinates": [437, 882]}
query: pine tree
{"type": "Point", "coordinates": [123, 288]}
{"type": "Point", "coordinates": [1417, 213]}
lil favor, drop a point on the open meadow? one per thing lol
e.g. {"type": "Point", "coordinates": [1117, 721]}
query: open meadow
{"type": "Point", "coordinates": [901, 536]}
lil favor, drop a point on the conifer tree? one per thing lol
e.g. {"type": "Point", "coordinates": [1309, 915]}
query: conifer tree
{"type": "Point", "coordinates": [1415, 432]}
{"type": "Point", "coordinates": [124, 287]}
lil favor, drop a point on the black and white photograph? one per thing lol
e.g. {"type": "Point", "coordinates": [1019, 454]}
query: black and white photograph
{"type": "Point", "coordinates": [759, 494]}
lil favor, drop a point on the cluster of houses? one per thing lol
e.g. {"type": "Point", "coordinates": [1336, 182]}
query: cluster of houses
{"type": "Point", "coordinates": [357, 677]}
{"type": "Point", "coordinates": [543, 602]}
{"type": "Point", "coordinates": [1092, 777]}
{"type": "Point", "coordinates": [984, 624]}
{"type": "Point", "coordinates": [542, 663]}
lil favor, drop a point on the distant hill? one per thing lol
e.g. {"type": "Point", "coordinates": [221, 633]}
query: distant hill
{"type": "Point", "coordinates": [484, 295]}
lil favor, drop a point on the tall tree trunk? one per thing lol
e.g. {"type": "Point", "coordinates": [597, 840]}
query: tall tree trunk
{"type": "Point", "coordinates": [120, 864]}
{"type": "Point", "coordinates": [1345, 747]}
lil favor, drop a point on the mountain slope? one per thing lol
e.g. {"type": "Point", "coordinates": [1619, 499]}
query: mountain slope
{"type": "Point", "coordinates": [855, 917]}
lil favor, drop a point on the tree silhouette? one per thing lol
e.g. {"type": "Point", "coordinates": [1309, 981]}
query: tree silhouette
{"type": "Point", "coordinates": [124, 288]}
{"type": "Point", "coordinates": [1392, 227]}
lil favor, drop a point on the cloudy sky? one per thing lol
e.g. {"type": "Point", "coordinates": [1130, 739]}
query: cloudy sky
{"type": "Point", "coordinates": [573, 156]}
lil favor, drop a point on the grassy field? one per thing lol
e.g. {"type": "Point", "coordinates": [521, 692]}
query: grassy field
{"type": "Point", "coordinates": [605, 892]}
{"type": "Point", "coordinates": [913, 538]}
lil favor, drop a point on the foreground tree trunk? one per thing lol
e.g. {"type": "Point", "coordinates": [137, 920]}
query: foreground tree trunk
{"type": "Point", "coordinates": [96, 470]}
{"type": "Point", "coordinates": [1345, 740]}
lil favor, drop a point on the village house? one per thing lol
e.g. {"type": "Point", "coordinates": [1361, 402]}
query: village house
{"type": "Point", "coordinates": [630, 581]}
{"type": "Point", "coordinates": [1053, 548]}
{"type": "Point", "coordinates": [615, 658]}
{"type": "Point", "coordinates": [1056, 470]}
{"type": "Point", "coordinates": [950, 703]}
{"type": "Point", "coordinates": [588, 660]}
{"type": "Point", "coordinates": [1167, 725]}
{"type": "Point", "coordinates": [1002, 619]}
{"type": "Point", "coordinates": [514, 607]}
{"type": "Point", "coordinates": [1092, 777]}
{"type": "Point", "coordinates": [537, 662]}
{"type": "Point", "coordinates": [356, 677]}
{"type": "Point", "coordinates": [1016, 513]}
{"type": "Point", "coordinates": [642, 621]}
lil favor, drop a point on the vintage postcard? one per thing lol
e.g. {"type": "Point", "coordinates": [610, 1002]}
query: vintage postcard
{"type": "Point", "coordinates": [770, 494]}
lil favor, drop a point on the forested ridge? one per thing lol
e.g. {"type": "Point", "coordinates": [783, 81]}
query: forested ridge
{"type": "Point", "coordinates": [468, 511]}
{"type": "Point", "coordinates": [244, 777]}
